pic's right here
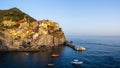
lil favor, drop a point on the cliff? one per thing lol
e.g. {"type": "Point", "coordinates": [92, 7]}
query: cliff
{"type": "Point", "coordinates": [20, 32]}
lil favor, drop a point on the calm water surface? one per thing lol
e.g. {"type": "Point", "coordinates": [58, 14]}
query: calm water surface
{"type": "Point", "coordinates": [102, 52]}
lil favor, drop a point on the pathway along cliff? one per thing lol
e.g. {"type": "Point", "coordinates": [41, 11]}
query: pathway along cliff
{"type": "Point", "coordinates": [20, 32]}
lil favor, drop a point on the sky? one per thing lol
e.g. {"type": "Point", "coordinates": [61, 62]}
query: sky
{"type": "Point", "coordinates": [75, 17]}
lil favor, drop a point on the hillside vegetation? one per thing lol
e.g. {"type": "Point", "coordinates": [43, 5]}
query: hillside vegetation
{"type": "Point", "coordinates": [14, 14]}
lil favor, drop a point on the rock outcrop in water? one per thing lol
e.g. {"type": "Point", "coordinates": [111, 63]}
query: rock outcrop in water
{"type": "Point", "coordinates": [20, 32]}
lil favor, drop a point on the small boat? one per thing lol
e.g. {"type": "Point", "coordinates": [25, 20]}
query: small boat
{"type": "Point", "coordinates": [26, 54]}
{"type": "Point", "coordinates": [55, 55]}
{"type": "Point", "coordinates": [77, 62]}
{"type": "Point", "coordinates": [50, 64]}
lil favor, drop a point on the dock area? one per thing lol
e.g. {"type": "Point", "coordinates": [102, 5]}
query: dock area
{"type": "Point", "coordinates": [74, 47]}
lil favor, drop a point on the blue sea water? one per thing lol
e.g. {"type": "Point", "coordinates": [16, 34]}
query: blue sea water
{"type": "Point", "coordinates": [102, 52]}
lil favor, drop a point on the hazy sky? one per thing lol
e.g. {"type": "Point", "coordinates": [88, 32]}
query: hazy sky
{"type": "Point", "coordinates": [76, 17]}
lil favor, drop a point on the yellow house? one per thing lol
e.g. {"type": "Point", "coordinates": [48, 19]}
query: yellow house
{"type": "Point", "coordinates": [44, 25]}
{"type": "Point", "coordinates": [52, 24]}
{"type": "Point", "coordinates": [8, 23]}
{"type": "Point", "coordinates": [42, 31]}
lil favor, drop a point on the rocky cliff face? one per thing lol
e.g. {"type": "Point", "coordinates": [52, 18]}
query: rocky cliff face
{"type": "Point", "coordinates": [27, 34]}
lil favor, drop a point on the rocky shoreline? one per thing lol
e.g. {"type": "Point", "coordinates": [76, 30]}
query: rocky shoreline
{"type": "Point", "coordinates": [40, 49]}
{"type": "Point", "coordinates": [26, 44]}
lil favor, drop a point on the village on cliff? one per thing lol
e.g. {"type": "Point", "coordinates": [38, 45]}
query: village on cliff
{"type": "Point", "coordinates": [26, 34]}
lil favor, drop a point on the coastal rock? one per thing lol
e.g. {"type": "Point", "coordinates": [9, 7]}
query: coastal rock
{"type": "Point", "coordinates": [27, 34]}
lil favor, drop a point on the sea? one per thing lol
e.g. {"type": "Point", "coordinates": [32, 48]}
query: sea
{"type": "Point", "coordinates": [101, 52]}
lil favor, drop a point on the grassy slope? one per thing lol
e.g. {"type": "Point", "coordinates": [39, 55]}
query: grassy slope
{"type": "Point", "coordinates": [14, 14]}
